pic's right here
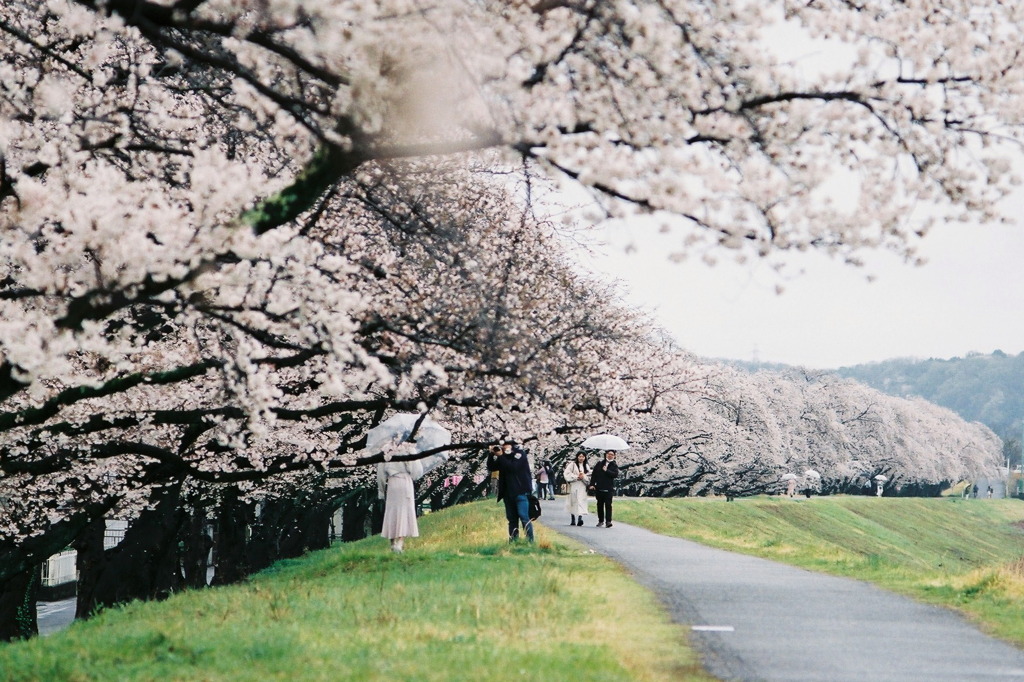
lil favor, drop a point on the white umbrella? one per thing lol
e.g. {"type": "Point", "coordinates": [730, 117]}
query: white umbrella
{"type": "Point", "coordinates": [605, 441]}
{"type": "Point", "coordinates": [789, 477]}
{"type": "Point", "coordinates": [881, 478]}
{"type": "Point", "coordinates": [812, 473]}
{"type": "Point", "coordinates": [397, 428]}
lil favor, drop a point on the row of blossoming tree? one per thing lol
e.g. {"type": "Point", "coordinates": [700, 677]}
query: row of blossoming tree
{"type": "Point", "coordinates": [236, 235]}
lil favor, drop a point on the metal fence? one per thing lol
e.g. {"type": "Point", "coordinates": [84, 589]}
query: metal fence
{"type": "Point", "coordinates": [114, 533]}
{"type": "Point", "coordinates": [60, 568]}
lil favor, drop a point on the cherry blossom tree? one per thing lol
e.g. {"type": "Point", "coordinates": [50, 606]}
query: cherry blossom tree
{"type": "Point", "coordinates": [298, 379]}
{"type": "Point", "coordinates": [235, 235]}
{"type": "Point", "coordinates": [735, 433]}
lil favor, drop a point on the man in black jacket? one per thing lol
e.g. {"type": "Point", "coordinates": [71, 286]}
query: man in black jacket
{"type": "Point", "coordinates": [515, 484]}
{"type": "Point", "coordinates": [602, 484]}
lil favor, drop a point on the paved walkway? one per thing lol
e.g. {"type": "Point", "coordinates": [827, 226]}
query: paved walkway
{"type": "Point", "coordinates": [754, 619]}
{"type": "Point", "coordinates": [54, 616]}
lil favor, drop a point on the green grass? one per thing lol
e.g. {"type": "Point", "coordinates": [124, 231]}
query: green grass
{"type": "Point", "coordinates": [459, 604]}
{"type": "Point", "coordinates": [964, 554]}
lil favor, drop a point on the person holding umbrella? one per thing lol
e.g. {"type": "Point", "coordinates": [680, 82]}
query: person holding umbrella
{"type": "Point", "coordinates": [395, 487]}
{"type": "Point", "coordinates": [602, 483]}
{"type": "Point", "coordinates": [404, 434]}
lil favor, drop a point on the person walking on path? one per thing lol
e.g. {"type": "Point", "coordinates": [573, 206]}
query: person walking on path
{"type": "Point", "coordinates": [395, 487]}
{"type": "Point", "coordinates": [576, 474]}
{"type": "Point", "coordinates": [602, 482]}
{"type": "Point", "coordinates": [515, 483]}
{"type": "Point", "coordinates": [551, 479]}
{"type": "Point", "coordinates": [540, 474]}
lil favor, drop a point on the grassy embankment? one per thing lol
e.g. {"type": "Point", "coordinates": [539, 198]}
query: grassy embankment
{"type": "Point", "coordinates": [964, 554]}
{"type": "Point", "coordinates": [459, 604]}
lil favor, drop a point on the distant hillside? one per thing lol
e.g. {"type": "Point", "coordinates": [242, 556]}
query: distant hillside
{"type": "Point", "coordinates": [984, 388]}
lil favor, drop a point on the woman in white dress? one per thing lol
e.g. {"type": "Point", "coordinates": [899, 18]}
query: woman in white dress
{"type": "Point", "coordinates": [577, 473]}
{"type": "Point", "coordinates": [395, 487]}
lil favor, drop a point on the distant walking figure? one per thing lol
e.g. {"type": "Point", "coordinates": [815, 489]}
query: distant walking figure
{"type": "Point", "coordinates": [540, 474]}
{"type": "Point", "coordinates": [551, 479]}
{"type": "Point", "coordinates": [975, 490]}
{"type": "Point", "coordinates": [576, 474]}
{"type": "Point", "coordinates": [989, 492]}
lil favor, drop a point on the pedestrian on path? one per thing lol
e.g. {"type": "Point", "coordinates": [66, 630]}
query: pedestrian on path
{"type": "Point", "coordinates": [576, 474]}
{"type": "Point", "coordinates": [602, 483]}
{"type": "Point", "coordinates": [551, 479]}
{"type": "Point", "coordinates": [515, 483]}
{"type": "Point", "coordinates": [540, 474]}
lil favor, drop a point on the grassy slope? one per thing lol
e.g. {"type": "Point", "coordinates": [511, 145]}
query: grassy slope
{"type": "Point", "coordinates": [459, 604]}
{"type": "Point", "coordinates": [966, 554]}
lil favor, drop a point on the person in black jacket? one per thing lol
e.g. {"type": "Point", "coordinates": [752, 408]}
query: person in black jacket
{"type": "Point", "coordinates": [602, 484]}
{"type": "Point", "coordinates": [515, 482]}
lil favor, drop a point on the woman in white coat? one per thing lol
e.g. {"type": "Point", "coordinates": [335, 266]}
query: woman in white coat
{"type": "Point", "coordinates": [577, 473]}
{"type": "Point", "coordinates": [395, 487]}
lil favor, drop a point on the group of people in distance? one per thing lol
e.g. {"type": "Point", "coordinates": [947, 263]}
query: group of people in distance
{"type": "Point", "coordinates": [515, 478]}
{"type": "Point", "coordinates": [511, 463]}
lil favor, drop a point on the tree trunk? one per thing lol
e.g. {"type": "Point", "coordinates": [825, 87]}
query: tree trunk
{"type": "Point", "coordinates": [196, 543]}
{"type": "Point", "coordinates": [264, 543]}
{"type": "Point", "coordinates": [357, 509]}
{"type": "Point", "coordinates": [145, 565]}
{"type": "Point", "coordinates": [309, 528]}
{"type": "Point", "coordinates": [231, 564]}
{"type": "Point", "coordinates": [89, 545]}
{"type": "Point", "coordinates": [18, 606]}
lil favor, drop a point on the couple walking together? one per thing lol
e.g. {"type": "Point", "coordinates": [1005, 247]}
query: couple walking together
{"type": "Point", "coordinates": [600, 482]}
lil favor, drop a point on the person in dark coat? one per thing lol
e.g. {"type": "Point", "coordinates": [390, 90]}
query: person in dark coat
{"type": "Point", "coordinates": [602, 484]}
{"type": "Point", "coordinates": [515, 483]}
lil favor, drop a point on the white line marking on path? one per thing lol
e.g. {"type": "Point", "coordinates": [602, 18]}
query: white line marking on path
{"type": "Point", "coordinates": [713, 628]}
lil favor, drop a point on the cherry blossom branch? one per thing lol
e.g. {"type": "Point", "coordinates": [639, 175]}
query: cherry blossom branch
{"type": "Point", "coordinates": [69, 396]}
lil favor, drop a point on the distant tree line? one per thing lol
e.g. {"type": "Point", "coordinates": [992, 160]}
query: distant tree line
{"type": "Point", "coordinates": [986, 388]}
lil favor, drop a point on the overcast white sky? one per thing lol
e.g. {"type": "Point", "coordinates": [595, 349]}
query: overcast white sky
{"type": "Point", "coordinates": [969, 297]}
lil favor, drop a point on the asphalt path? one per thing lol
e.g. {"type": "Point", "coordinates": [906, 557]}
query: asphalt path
{"type": "Point", "coordinates": [54, 616]}
{"type": "Point", "coordinates": [753, 619]}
